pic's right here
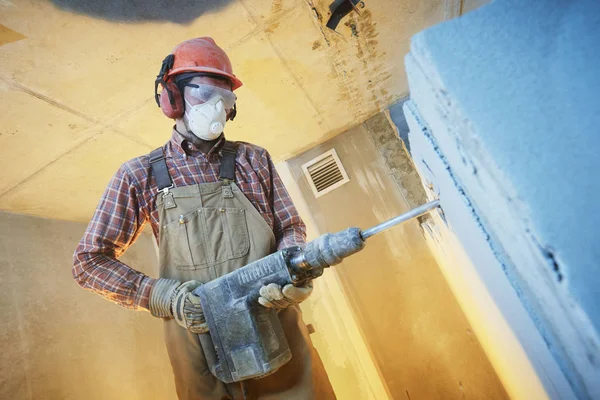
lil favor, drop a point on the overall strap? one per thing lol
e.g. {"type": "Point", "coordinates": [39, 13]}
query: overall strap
{"type": "Point", "coordinates": [158, 166]}
{"type": "Point", "coordinates": [227, 169]}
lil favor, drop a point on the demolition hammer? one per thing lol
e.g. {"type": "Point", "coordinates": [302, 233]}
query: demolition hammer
{"type": "Point", "coordinates": [245, 339]}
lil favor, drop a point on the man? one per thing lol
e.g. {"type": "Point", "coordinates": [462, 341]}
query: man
{"type": "Point", "coordinates": [214, 206]}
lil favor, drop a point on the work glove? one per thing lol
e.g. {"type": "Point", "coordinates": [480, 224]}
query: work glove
{"type": "Point", "coordinates": [273, 296]}
{"type": "Point", "coordinates": [172, 299]}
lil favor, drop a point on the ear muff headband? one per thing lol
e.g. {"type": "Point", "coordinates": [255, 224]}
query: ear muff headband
{"type": "Point", "coordinates": [169, 100]}
{"type": "Point", "coordinates": [166, 66]}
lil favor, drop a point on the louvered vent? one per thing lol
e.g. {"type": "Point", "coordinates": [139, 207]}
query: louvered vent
{"type": "Point", "coordinates": [325, 173]}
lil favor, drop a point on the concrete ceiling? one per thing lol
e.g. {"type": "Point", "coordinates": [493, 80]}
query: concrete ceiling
{"type": "Point", "coordinates": [76, 82]}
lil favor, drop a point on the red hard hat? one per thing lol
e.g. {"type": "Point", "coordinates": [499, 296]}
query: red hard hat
{"type": "Point", "coordinates": [202, 55]}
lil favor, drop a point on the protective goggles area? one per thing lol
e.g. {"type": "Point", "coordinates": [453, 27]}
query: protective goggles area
{"type": "Point", "coordinates": [204, 93]}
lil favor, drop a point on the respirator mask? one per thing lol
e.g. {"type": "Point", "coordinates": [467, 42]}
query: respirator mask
{"type": "Point", "coordinates": [207, 119]}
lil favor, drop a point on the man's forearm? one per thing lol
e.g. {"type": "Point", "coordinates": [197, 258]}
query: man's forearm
{"type": "Point", "coordinates": [112, 280]}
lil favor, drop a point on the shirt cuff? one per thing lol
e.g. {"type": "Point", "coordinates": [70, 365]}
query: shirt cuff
{"type": "Point", "coordinates": [143, 298]}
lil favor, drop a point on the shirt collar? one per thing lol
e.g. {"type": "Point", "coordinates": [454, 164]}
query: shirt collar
{"type": "Point", "coordinates": [186, 149]}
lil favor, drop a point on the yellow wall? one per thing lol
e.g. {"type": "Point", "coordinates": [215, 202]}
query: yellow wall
{"type": "Point", "coordinates": [337, 337]}
{"type": "Point", "coordinates": [61, 342]}
{"type": "Point", "coordinates": [410, 334]}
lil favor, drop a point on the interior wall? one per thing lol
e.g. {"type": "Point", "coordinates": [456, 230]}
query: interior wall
{"type": "Point", "coordinates": [62, 342]}
{"type": "Point", "coordinates": [350, 367]}
{"type": "Point", "coordinates": [414, 329]}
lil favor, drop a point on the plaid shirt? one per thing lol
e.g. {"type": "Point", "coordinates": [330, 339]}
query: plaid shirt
{"type": "Point", "coordinates": [129, 202]}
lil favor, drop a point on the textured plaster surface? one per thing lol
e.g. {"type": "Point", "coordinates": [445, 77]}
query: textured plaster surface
{"type": "Point", "coordinates": [510, 100]}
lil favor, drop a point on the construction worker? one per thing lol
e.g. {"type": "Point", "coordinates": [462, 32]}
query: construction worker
{"type": "Point", "coordinates": [214, 206]}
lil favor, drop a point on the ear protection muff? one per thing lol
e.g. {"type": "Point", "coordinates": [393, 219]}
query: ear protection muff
{"type": "Point", "coordinates": [171, 101]}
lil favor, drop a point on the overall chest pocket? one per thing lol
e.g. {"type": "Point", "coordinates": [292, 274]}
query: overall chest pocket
{"type": "Point", "coordinates": [207, 236]}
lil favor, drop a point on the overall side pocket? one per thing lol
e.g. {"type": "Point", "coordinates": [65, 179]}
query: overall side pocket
{"type": "Point", "coordinates": [176, 244]}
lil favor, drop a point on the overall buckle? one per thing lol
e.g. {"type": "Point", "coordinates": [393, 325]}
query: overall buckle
{"type": "Point", "coordinates": [168, 199]}
{"type": "Point", "coordinates": [226, 189]}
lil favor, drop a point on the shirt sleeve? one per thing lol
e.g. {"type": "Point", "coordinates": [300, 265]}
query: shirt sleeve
{"type": "Point", "coordinates": [288, 227]}
{"type": "Point", "coordinates": [116, 224]}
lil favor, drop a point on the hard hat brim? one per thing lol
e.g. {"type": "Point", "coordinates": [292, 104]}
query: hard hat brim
{"type": "Point", "coordinates": [235, 82]}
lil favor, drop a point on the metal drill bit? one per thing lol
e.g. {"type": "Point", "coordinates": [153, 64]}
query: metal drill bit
{"type": "Point", "coordinates": [414, 213]}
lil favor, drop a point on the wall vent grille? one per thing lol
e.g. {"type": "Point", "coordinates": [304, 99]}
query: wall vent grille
{"type": "Point", "coordinates": [325, 173]}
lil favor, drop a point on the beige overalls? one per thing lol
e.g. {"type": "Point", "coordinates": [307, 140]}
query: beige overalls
{"type": "Point", "coordinates": [208, 230]}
